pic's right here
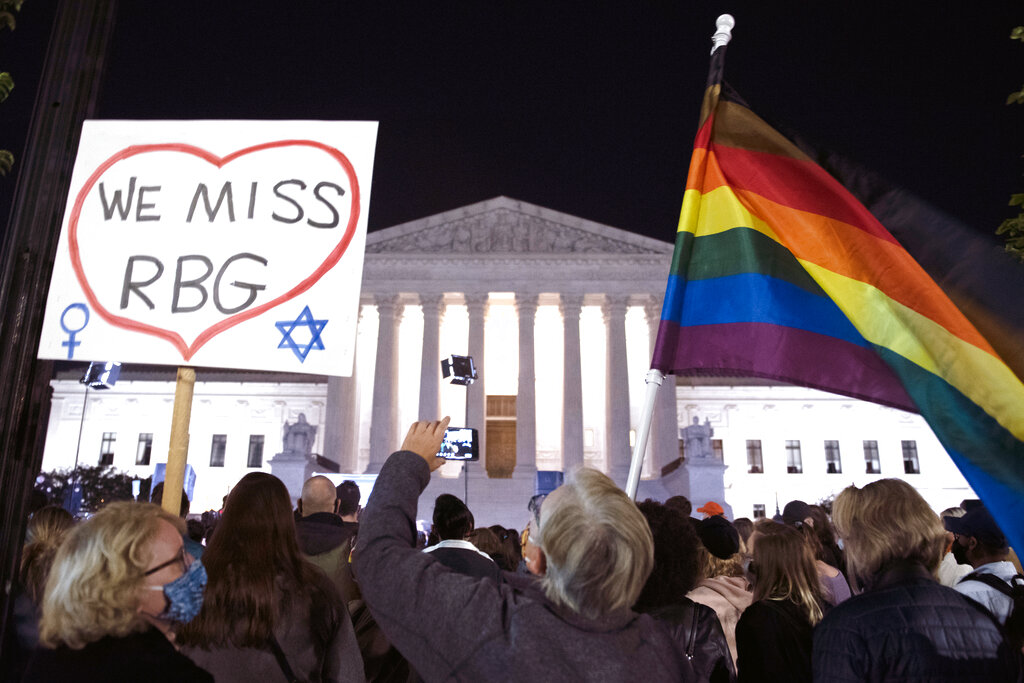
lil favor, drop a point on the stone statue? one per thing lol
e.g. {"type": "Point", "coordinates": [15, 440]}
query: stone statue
{"type": "Point", "coordinates": [697, 440]}
{"type": "Point", "coordinates": [298, 437]}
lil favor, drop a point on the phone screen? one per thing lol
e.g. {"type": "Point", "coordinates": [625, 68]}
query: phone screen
{"type": "Point", "coordinates": [460, 443]}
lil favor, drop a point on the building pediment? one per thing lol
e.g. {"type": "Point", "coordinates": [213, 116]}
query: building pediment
{"type": "Point", "coordinates": [508, 226]}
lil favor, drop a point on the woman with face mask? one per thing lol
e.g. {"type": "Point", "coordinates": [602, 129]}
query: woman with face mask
{"type": "Point", "coordinates": [119, 586]}
{"type": "Point", "coordinates": [269, 614]}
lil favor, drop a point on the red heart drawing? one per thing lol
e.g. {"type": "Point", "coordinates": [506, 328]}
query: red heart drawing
{"type": "Point", "coordinates": [189, 350]}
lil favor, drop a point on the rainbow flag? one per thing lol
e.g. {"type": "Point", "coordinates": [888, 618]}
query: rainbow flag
{"type": "Point", "coordinates": [780, 272]}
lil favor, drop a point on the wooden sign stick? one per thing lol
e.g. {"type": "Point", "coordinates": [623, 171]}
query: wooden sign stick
{"type": "Point", "coordinates": [177, 453]}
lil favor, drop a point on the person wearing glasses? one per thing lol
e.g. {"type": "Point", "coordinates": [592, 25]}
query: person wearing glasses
{"type": "Point", "coordinates": [904, 625]}
{"type": "Point", "coordinates": [592, 550]}
{"type": "Point", "coordinates": [119, 586]}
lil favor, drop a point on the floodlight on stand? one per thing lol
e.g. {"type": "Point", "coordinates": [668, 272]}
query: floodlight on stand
{"type": "Point", "coordinates": [101, 375]}
{"type": "Point", "coordinates": [460, 368]}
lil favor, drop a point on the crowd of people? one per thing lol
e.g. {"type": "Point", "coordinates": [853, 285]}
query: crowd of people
{"type": "Point", "coordinates": [593, 587]}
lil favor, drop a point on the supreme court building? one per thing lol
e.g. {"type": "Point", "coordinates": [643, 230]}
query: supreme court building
{"type": "Point", "coordinates": [559, 314]}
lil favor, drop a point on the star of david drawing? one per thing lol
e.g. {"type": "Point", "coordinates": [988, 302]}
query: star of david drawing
{"type": "Point", "coordinates": [305, 319]}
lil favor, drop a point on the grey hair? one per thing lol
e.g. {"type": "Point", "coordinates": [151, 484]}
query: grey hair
{"type": "Point", "coordinates": [598, 546]}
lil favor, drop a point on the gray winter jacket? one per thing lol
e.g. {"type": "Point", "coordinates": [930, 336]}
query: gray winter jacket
{"type": "Point", "coordinates": [455, 627]}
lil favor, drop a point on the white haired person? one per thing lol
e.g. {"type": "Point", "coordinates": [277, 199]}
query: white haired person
{"type": "Point", "coordinates": [905, 625]}
{"type": "Point", "coordinates": [574, 623]}
{"type": "Point", "coordinates": [119, 585]}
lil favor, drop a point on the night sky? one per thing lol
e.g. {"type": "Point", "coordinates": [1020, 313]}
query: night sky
{"type": "Point", "coordinates": [586, 108]}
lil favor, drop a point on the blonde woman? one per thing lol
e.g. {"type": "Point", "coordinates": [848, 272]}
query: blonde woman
{"type": "Point", "coordinates": [119, 584]}
{"type": "Point", "coordinates": [904, 625]}
{"type": "Point", "coordinates": [773, 636]}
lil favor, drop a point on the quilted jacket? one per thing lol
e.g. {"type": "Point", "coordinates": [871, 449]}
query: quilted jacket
{"type": "Point", "coordinates": [908, 627]}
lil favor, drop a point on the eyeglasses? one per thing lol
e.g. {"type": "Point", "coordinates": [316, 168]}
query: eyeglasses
{"type": "Point", "coordinates": [182, 557]}
{"type": "Point", "coordinates": [535, 502]}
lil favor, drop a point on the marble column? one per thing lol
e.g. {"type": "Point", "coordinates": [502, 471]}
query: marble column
{"type": "Point", "coordinates": [341, 420]}
{"type": "Point", "coordinates": [616, 390]}
{"type": "Point", "coordinates": [383, 427]}
{"type": "Point", "coordinates": [430, 361]}
{"type": "Point", "coordinates": [663, 443]}
{"type": "Point", "coordinates": [572, 384]}
{"type": "Point", "coordinates": [476, 402]}
{"type": "Point", "coordinates": [526, 395]}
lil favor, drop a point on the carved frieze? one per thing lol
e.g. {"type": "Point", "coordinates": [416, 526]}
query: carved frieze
{"type": "Point", "coordinates": [503, 230]}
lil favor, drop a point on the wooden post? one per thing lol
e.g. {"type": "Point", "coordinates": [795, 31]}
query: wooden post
{"type": "Point", "coordinates": [177, 454]}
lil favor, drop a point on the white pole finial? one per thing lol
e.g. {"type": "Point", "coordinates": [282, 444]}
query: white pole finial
{"type": "Point", "coordinates": [723, 35]}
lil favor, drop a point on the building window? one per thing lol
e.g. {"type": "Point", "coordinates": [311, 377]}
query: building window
{"type": "Point", "coordinates": [794, 460]}
{"type": "Point", "coordinates": [255, 450]}
{"type": "Point", "coordinates": [910, 462]}
{"type": "Point", "coordinates": [144, 450]}
{"type": "Point", "coordinates": [754, 464]}
{"type": "Point", "coordinates": [217, 448]}
{"type": "Point", "coordinates": [716, 450]}
{"type": "Point", "coordinates": [872, 465]}
{"type": "Point", "coordinates": [758, 511]}
{"type": "Point", "coordinates": [833, 465]}
{"type": "Point", "coordinates": [107, 448]}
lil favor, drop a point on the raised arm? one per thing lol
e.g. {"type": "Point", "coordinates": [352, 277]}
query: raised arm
{"type": "Point", "coordinates": [435, 617]}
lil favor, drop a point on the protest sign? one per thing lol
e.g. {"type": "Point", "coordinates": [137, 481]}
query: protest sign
{"type": "Point", "coordinates": [233, 244]}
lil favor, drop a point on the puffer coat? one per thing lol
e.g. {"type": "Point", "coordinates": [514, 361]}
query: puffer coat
{"type": "Point", "coordinates": [908, 627]}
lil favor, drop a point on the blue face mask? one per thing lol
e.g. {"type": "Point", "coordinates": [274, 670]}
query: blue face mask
{"type": "Point", "coordinates": [184, 594]}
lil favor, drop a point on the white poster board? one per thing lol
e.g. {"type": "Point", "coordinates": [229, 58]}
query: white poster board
{"type": "Point", "coordinates": [231, 244]}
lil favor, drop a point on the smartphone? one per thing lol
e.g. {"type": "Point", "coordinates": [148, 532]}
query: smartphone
{"type": "Point", "coordinates": [460, 443]}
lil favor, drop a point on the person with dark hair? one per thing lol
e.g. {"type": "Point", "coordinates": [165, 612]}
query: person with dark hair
{"type": "Point", "coordinates": [267, 608]}
{"type": "Point", "coordinates": [985, 547]}
{"type": "Point", "coordinates": [954, 565]}
{"type": "Point", "coordinates": [511, 552]}
{"type": "Point", "coordinates": [157, 496]}
{"type": "Point", "coordinates": [681, 503]}
{"type": "Point", "coordinates": [904, 625]}
{"type": "Point", "coordinates": [664, 594]}
{"type": "Point", "coordinates": [193, 547]}
{"type": "Point", "coordinates": [829, 551]}
{"type": "Point", "coordinates": [452, 524]}
{"type": "Point", "coordinates": [348, 495]}
{"type": "Point", "coordinates": [773, 636]}
{"type": "Point", "coordinates": [594, 552]}
{"type": "Point", "coordinates": [800, 516]}
{"type": "Point", "coordinates": [487, 542]}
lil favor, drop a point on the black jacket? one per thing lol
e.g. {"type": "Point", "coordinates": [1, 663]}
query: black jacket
{"type": "Point", "coordinates": [322, 532]}
{"type": "Point", "coordinates": [908, 627]}
{"type": "Point", "coordinates": [147, 657]}
{"type": "Point", "coordinates": [706, 649]}
{"type": "Point", "coordinates": [773, 643]}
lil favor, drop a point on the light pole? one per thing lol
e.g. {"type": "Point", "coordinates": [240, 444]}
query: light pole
{"type": "Point", "coordinates": [97, 376]}
{"type": "Point", "coordinates": [462, 371]}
